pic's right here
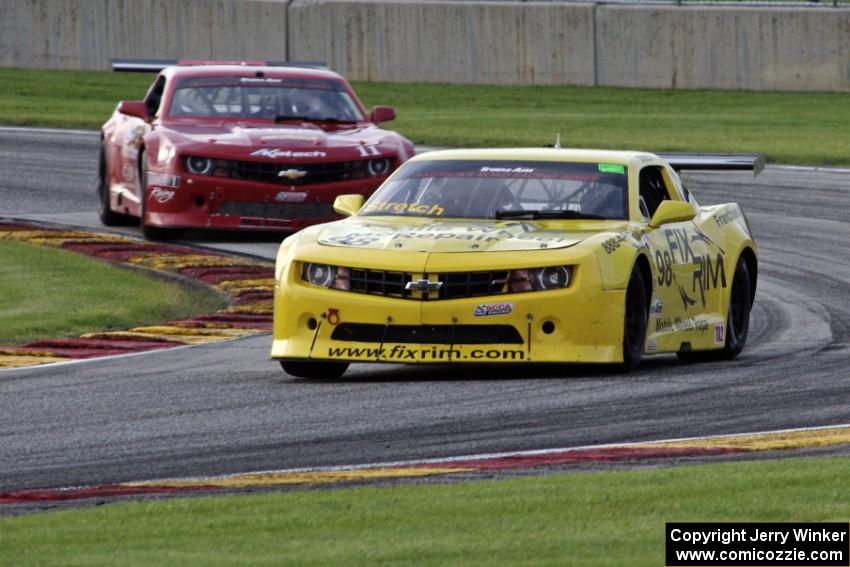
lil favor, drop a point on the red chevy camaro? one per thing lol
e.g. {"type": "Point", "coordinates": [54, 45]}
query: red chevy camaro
{"type": "Point", "coordinates": [241, 146]}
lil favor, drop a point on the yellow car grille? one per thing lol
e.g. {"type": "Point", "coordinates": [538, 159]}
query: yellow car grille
{"type": "Point", "coordinates": [454, 285]}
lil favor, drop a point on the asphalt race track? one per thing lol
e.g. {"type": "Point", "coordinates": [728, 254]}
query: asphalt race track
{"type": "Point", "coordinates": [227, 408]}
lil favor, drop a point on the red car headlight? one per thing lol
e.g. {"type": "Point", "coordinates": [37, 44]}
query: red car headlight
{"type": "Point", "coordinates": [200, 165]}
{"type": "Point", "coordinates": [377, 167]}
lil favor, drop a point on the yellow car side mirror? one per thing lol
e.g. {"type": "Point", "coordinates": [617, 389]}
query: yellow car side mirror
{"type": "Point", "coordinates": [672, 211]}
{"type": "Point", "coordinates": [348, 205]}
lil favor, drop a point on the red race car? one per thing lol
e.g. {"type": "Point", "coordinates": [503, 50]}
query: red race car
{"type": "Point", "coordinates": [240, 146]}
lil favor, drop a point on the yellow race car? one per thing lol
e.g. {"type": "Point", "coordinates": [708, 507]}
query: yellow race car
{"type": "Point", "coordinates": [520, 256]}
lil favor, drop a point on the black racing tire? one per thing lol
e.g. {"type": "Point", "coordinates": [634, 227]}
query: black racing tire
{"type": "Point", "coordinates": [635, 321]}
{"type": "Point", "coordinates": [152, 232]}
{"type": "Point", "coordinates": [737, 320]}
{"type": "Point", "coordinates": [314, 370]}
{"type": "Point", "coordinates": [107, 216]}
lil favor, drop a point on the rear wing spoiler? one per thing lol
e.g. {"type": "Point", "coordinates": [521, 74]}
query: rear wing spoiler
{"type": "Point", "coordinates": [157, 65]}
{"type": "Point", "coordinates": [715, 162]}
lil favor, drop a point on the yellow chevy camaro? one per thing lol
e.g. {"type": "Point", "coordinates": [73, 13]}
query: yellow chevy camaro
{"type": "Point", "coordinates": [520, 256]}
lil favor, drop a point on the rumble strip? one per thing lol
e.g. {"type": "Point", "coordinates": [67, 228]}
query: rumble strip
{"type": "Point", "coordinates": [749, 443]}
{"type": "Point", "coordinates": [248, 283]}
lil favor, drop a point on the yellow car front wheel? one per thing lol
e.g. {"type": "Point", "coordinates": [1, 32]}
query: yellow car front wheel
{"type": "Point", "coordinates": [636, 321]}
{"type": "Point", "coordinates": [314, 370]}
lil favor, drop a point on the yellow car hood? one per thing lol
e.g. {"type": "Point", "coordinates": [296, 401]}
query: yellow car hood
{"type": "Point", "coordinates": [429, 235]}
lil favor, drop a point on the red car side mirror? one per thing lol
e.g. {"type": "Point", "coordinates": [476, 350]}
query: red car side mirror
{"type": "Point", "coordinates": [136, 108]}
{"type": "Point", "coordinates": [382, 114]}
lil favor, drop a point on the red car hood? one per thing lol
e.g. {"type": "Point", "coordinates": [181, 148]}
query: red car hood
{"type": "Point", "coordinates": [274, 141]}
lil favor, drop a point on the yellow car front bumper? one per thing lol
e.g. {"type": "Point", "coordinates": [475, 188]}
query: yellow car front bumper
{"type": "Point", "coordinates": [581, 324]}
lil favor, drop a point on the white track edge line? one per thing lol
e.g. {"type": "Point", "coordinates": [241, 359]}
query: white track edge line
{"type": "Point", "coordinates": [23, 129]}
{"type": "Point", "coordinates": [487, 456]}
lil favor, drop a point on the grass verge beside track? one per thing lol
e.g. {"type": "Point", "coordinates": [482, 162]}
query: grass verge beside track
{"type": "Point", "coordinates": [49, 293]}
{"type": "Point", "coordinates": [798, 128]}
{"type": "Point", "coordinates": [603, 518]}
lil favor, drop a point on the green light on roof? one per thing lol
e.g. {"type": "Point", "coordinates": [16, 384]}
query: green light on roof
{"type": "Point", "coordinates": [611, 168]}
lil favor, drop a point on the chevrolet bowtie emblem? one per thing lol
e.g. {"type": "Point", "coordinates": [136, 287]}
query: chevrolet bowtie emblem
{"type": "Point", "coordinates": [423, 286]}
{"type": "Point", "coordinates": [292, 173]}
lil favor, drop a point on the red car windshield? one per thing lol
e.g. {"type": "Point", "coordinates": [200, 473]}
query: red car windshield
{"type": "Point", "coordinates": [263, 97]}
{"type": "Point", "coordinates": [503, 189]}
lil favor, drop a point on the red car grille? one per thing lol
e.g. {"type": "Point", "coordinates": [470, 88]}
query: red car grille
{"type": "Point", "coordinates": [277, 210]}
{"type": "Point", "coordinates": [312, 173]}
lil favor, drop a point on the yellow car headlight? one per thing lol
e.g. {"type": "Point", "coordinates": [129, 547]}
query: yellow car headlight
{"type": "Point", "coordinates": [541, 279]}
{"type": "Point", "coordinates": [323, 275]}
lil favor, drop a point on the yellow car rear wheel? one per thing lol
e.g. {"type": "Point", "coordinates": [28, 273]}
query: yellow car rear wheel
{"type": "Point", "coordinates": [737, 320]}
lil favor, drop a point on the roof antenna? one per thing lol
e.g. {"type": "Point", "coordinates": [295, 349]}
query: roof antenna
{"type": "Point", "coordinates": [558, 141]}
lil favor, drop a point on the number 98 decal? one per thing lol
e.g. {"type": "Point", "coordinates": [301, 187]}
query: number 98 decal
{"type": "Point", "coordinates": [664, 264]}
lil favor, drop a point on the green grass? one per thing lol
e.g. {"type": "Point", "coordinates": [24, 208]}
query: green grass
{"type": "Point", "coordinates": [802, 128]}
{"type": "Point", "coordinates": [611, 518]}
{"type": "Point", "coordinates": [51, 293]}
{"type": "Point", "coordinates": [788, 127]}
{"type": "Point", "coordinates": [65, 99]}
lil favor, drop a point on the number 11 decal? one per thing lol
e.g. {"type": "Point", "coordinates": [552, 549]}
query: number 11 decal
{"type": "Point", "coordinates": [368, 151]}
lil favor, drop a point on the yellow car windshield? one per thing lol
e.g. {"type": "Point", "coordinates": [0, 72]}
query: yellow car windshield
{"type": "Point", "coordinates": [503, 189]}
